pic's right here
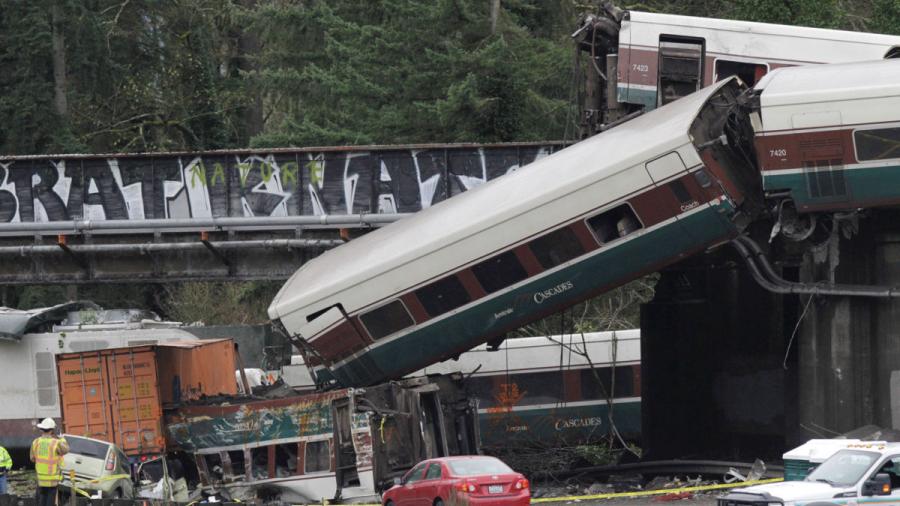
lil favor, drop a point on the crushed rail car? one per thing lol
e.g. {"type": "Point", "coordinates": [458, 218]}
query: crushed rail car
{"type": "Point", "coordinates": [577, 223]}
{"type": "Point", "coordinates": [344, 444]}
{"type": "Point", "coordinates": [173, 407]}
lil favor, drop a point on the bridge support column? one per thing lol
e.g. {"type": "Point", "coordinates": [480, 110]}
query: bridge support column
{"type": "Point", "coordinates": [712, 344]}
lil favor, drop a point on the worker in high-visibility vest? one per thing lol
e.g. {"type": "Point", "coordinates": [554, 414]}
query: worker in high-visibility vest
{"type": "Point", "coordinates": [47, 452]}
{"type": "Point", "coordinates": [5, 466]}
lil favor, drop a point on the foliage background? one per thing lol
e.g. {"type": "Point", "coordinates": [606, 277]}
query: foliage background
{"type": "Point", "coordinates": [101, 76]}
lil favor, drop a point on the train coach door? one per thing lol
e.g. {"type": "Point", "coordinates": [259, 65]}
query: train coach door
{"type": "Point", "coordinates": [675, 195]}
{"type": "Point", "coordinates": [680, 67]}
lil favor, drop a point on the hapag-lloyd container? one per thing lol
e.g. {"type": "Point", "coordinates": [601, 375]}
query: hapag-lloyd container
{"type": "Point", "coordinates": [119, 394]}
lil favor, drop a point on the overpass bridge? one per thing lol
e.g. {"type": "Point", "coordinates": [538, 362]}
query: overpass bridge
{"type": "Point", "coordinates": [220, 215]}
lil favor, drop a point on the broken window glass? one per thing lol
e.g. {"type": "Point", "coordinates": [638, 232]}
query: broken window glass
{"type": "Point", "coordinates": [617, 222]}
{"type": "Point", "coordinates": [318, 456]}
{"type": "Point", "coordinates": [556, 248]}
{"type": "Point", "coordinates": [285, 460]}
{"type": "Point", "coordinates": [750, 73]}
{"type": "Point", "coordinates": [499, 272]}
{"type": "Point", "coordinates": [152, 471]}
{"type": "Point", "coordinates": [442, 296]}
{"type": "Point", "coordinates": [387, 319]}
{"type": "Point", "coordinates": [877, 144]}
{"type": "Point", "coordinates": [238, 464]}
{"type": "Point", "coordinates": [213, 467]}
{"type": "Point", "coordinates": [259, 457]}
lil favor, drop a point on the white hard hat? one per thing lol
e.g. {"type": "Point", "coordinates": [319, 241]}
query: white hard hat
{"type": "Point", "coordinates": [47, 424]}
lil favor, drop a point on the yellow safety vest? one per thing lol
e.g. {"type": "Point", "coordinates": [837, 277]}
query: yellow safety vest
{"type": "Point", "coordinates": [47, 463]}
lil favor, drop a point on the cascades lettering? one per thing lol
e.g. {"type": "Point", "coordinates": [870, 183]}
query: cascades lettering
{"type": "Point", "coordinates": [540, 297]}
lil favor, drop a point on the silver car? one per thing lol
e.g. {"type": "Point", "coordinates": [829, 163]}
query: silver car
{"type": "Point", "coordinates": [99, 466]}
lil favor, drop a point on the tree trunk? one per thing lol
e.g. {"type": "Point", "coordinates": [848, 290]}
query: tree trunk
{"type": "Point", "coordinates": [60, 85]}
{"type": "Point", "coordinates": [248, 54]}
{"type": "Point", "coordinates": [495, 14]}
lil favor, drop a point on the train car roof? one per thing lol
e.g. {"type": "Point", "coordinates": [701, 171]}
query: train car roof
{"type": "Point", "coordinates": [830, 83]}
{"type": "Point", "coordinates": [752, 27]}
{"type": "Point", "coordinates": [657, 132]}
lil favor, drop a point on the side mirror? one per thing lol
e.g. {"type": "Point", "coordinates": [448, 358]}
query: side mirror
{"type": "Point", "coordinates": [879, 485]}
{"type": "Point", "coordinates": [398, 480]}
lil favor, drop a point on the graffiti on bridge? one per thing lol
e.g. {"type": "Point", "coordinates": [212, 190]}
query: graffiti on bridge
{"type": "Point", "coordinates": [205, 185]}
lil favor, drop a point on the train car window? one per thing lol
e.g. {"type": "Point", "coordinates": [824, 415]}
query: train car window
{"type": "Point", "coordinates": [592, 389]}
{"type": "Point", "coordinates": [387, 319]}
{"type": "Point", "coordinates": [750, 73]}
{"type": "Point", "coordinates": [443, 295]}
{"type": "Point", "coordinates": [537, 388]}
{"type": "Point", "coordinates": [702, 177]}
{"type": "Point", "coordinates": [877, 144]}
{"type": "Point", "coordinates": [318, 457]}
{"type": "Point", "coordinates": [556, 248]}
{"type": "Point", "coordinates": [238, 464]}
{"type": "Point", "coordinates": [617, 222]}
{"type": "Point", "coordinates": [499, 272]}
{"type": "Point", "coordinates": [259, 463]}
{"type": "Point", "coordinates": [214, 468]}
{"type": "Point", "coordinates": [286, 460]}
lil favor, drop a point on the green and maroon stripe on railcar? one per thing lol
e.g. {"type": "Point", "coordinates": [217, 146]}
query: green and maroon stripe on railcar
{"type": "Point", "coordinates": [829, 170]}
{"type": "Point", "coordinates": [596, 272]}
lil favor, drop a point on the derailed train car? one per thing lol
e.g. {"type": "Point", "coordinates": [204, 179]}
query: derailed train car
{"type": "Point", "coordinates": [345, 445]}
{"type": "Point", "coordinates": [641, 60]}
{"type": "Point", "coordinates": [828, 137]}
{"type": "Point", "coordinates": [579, 222]}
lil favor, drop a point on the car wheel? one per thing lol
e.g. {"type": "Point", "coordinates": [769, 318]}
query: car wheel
{"type": "Point", "coordinates": [117, 493]}
{"type": "Point", "coordinates": [389, 503]}
{"type": "Point", "coordinates": [438, 502]}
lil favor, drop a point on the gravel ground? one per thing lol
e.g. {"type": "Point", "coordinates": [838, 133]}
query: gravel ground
{"type": "Point", "coordinates": [696, 500]}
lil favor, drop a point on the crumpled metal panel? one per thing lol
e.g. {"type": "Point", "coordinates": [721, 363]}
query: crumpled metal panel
{"type": "Point", "coordinates": [14, 323]}
{"type": "Point", "coordinates": [196, 428]}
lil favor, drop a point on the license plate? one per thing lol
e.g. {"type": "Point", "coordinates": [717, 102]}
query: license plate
{"type": "Point", "coordinates": [495, 489]}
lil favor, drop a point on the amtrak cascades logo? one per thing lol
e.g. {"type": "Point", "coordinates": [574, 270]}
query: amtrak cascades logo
{"type": "Point", "coordinates": [540, 297]}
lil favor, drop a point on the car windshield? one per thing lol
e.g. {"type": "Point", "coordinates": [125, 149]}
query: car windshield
{"type": "Point", "coordinates": [472, 467]}
{"type": "Point", "coordinates": [87, 447]}
{"type": "Point", "coordinates": [844, 468]}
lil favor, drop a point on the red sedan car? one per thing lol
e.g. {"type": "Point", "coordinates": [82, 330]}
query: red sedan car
{"type": "Point", "coordinates": [455, 481]}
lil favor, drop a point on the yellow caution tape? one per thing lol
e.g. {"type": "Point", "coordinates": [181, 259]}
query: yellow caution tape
{"type": "Point", "coordinates": [76, 481]}
{"type": "Point", "coordinates": [664, 491]}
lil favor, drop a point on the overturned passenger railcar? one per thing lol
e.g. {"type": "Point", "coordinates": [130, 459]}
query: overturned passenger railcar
{"type": "Point", "coordinates": [345, 445]}
{"type": "Point", "coordinates": [579, 222]}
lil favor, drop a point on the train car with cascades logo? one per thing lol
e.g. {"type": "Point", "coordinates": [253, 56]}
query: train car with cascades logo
{"type": "Point", "coordinates": [586, 219]}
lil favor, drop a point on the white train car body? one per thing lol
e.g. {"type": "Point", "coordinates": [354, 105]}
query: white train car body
{"type": "Point", "coordinates": [662, 57]}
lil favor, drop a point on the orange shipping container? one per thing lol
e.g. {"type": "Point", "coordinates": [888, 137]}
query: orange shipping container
{"type": "Point", "coordinates": [119, 394]}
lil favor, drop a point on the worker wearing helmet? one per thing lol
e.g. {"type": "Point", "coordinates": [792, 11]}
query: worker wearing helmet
{"type": "Point", "coordinates": [46, 453]}
{"type": "Point", "coordinates": [5, 466]}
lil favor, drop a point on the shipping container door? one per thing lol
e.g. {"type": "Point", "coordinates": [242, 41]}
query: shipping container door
{"type": "Point", "coordinates": [136, 410]}
{"type": "Point", "coordinates": [84, 394]}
